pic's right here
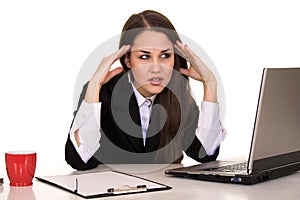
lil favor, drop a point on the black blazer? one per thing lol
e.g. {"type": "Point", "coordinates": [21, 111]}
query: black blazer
{"type": "Point", "coordinates": [121, 134]}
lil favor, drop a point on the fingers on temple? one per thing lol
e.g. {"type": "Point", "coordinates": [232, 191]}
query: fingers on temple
{"type": "Point", "coordinates": [118, 54]}
{"type": "Point", "coordinates": [123, 50]}
{"type": "Point", "coordinates": [184, 51]}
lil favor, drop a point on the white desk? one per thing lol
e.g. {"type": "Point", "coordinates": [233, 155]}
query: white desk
{"type": "Point", "coordinates": [282, 188]}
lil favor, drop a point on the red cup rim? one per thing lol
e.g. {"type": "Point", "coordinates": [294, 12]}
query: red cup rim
{"type": "Point", "coordinates": [20, 152]}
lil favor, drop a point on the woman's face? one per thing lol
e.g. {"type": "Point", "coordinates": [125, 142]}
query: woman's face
{"type": "Point", "coordinates": [151, 61]}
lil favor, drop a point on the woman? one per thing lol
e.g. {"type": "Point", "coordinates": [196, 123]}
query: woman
{"type": "Point", "coordinates": [143, 112]}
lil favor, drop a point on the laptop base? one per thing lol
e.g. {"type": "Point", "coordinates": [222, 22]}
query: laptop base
{"type": "Point", "coordinates": [246, 179]}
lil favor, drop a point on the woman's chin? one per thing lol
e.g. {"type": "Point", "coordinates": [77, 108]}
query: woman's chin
{"type": "Point", "coordinates": [150, 90]}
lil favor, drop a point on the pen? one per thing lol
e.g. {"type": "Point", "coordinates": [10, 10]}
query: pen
{"type": "Point", "coordinates": [127, 189]}
{"type": "Point", "coordinates": [1, 181]}
{"type": "Point", "coordinates": [76, 185]}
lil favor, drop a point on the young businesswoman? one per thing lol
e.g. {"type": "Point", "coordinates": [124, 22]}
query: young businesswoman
{"type": "Point", "coordinates": [143, 112]}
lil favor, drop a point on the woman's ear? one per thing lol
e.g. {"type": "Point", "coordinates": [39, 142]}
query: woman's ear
{"type": "Point", "coordinates": [127, 61]}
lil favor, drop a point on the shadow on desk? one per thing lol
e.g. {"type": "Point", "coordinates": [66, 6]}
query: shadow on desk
{"type": "Point", "coordinates": [131, 168]}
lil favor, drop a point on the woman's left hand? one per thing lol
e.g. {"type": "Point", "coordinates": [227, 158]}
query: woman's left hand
{"type": "Point", "coordinates": [198, 71]}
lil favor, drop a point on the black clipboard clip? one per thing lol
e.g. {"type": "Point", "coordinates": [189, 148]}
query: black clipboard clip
{"type": "Point", "coordinates": [127, 189]}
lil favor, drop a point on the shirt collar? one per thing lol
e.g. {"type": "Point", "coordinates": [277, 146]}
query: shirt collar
{"type": "Point", "coordinates": [140, 99]}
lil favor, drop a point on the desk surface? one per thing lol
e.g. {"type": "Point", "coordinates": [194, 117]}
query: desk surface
{"type": "Point", "coordinates": [182, 188]}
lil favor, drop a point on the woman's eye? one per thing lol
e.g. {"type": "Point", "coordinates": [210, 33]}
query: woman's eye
{"type": "Point", "coordinates": [144, 57]}
{"type": "Point", "coordinates": [165, 55]}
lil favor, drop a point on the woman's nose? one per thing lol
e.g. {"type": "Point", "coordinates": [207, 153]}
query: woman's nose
{"type": "Point", "coordinates": [155, 66]}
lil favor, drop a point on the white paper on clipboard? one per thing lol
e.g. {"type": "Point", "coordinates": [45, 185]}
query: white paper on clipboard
{"type": "Point", "coordinates": [97, 184]}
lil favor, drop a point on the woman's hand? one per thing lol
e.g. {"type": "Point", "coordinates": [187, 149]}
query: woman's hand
{"type": "Point", "coordinates": [198, 71]}
{"type": "Point", "coordinates": [103, 74]}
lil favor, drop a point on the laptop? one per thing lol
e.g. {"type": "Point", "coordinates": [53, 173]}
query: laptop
{"type": "Point", "coordinates": [275, 145]}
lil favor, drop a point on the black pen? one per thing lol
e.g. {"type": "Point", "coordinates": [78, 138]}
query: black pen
{"type": "Point", "coordinates": [76, 185]}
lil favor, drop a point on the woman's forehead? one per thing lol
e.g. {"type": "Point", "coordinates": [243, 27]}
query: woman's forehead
{"type": "Point", "coordinates": [151, 40]}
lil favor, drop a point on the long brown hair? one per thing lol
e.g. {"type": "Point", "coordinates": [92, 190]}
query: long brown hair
{"type": "Point", "coordinates": [175, 105]}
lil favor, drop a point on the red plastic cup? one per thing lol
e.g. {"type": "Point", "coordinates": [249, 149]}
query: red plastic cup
{"type": "Point", "coordinates": [20, 167]}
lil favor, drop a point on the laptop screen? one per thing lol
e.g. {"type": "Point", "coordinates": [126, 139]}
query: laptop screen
{"type": "Point", "coordinates": [276, 138]}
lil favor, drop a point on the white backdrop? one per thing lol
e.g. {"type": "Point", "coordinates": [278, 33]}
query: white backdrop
{"type": "Point", "coordinates": [44, 44]}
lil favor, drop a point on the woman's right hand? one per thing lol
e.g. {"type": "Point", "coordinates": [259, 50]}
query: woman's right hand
{"type": "Point", "coordinates": [103, 74]}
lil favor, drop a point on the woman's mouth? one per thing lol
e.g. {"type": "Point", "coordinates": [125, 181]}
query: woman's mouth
{"type": "Point", "coordinates": [155, 80]}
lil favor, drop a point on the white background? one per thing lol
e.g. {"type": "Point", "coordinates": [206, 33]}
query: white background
{"type": "Point", "coordinates": [44, 44]}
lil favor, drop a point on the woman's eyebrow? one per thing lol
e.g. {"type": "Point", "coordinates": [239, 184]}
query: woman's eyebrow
{"type": "Point", "coordinates": [148, 52]}
{"type": "Point", "coordinates": [143, 51]}
{"type": "Point", "coordinates": [166, 50]}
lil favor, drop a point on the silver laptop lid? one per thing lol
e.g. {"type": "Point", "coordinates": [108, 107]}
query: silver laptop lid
{"type": "Point", "coordinates": [276, 138]}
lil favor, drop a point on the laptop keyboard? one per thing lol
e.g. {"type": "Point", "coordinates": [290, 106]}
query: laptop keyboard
{"type": "Point", "coordinates": [236, 168]}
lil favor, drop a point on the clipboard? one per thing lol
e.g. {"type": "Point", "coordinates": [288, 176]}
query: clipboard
{"type": "Point", "coordinates": [103, 184]}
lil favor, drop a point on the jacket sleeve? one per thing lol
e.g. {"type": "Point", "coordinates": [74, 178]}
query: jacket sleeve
{"type": "Point", "coordinates": [71, 155]}
{"type": "Point", "coordinates": [74, 160]}
{"type": "Point", "coordinates": [191, 144]}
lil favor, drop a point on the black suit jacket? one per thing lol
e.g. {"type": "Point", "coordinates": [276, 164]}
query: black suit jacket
{"type": "Point", "coordinates": [121, 134]}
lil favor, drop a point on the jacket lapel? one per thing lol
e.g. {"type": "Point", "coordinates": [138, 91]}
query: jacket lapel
{"type": "Point", "coordinates": [155, 125]}
{"type": "Point", "coordinates": [126, 113]}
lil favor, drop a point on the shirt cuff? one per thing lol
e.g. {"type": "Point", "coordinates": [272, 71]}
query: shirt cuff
{"type": "Point", "coordinates": [87, 122]}
{"type": "Point", "coordinates": [84, 152]}
{"type": "Point", "coordinates": [210, 131]}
